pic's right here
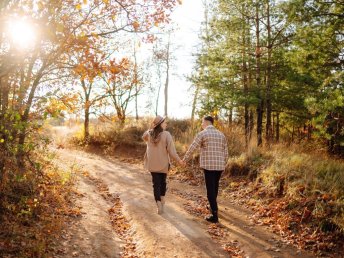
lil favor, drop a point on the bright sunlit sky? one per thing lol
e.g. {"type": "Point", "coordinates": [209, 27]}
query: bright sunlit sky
{"type": "Point", "coordinates": [188, 18]}
{"type": "Point", "coordinates": [22, 34]}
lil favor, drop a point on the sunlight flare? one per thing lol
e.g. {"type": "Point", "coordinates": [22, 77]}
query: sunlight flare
{"type": "Point", "coordinates": [22, 34]}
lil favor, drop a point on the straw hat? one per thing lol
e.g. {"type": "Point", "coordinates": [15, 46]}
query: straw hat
{"type": "Point", "coordinates": [157, 121]}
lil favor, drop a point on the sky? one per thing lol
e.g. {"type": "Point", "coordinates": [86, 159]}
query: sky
{"type": "Point", "coordinates": [188, 18]}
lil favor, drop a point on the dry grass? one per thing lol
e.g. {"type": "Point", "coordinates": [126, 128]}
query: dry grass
{"type": "Point", "coordinates": [112, 137]}
{"type": "Point", "coordinates": [296, 175]}
{"type": "Point", "coordinates": [104, 134]}
{"type": "Point", "coordinates": [309, 175]}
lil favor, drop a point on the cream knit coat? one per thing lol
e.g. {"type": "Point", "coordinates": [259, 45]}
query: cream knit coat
{"type": "Point", "coordinates": [157, 157]}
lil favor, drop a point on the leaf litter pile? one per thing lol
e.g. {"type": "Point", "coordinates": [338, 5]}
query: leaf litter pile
{"type": "Point", "coordinates": [123, 229]}
{"type": "Point", "coordinates": [34, 210]}
{"type": "Point", "coordinates": [292, 219]}
{"type": "Point", "coordinates": [120, 224]}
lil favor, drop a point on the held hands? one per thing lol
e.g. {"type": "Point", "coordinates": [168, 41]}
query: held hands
{"type": "Point", "coordinates": [182, 163]}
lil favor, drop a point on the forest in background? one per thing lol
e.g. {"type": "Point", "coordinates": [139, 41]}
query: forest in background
{"type": "Point", "coordinates": [276, 66]}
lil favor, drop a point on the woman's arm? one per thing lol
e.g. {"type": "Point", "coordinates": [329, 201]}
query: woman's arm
{"type": "Point", "coordinates": [145, 136]}
{"type": "Point", "coordinates": [171, 149]}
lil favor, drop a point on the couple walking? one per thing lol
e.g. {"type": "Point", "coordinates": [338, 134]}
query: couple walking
{"type": "Point", "coordinates": [213, 158]}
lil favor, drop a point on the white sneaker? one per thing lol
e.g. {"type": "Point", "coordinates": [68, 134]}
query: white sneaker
{"type": "Point", "coordinates": [160, 208]}
{"type": "Point", "coordinates": [162, 200]}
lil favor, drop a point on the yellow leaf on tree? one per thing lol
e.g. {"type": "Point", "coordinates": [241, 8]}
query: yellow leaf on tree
{"type": "Point", "coordinates": [105, 1]}
{"type": "Point", "coordinates": [94, 34]}
{"type": "Point", "coordinates": [78, 6]}
{"type": "Point", "coordinates": [136, 25]}
{"type": "Point", "coordinates": [85, 2]}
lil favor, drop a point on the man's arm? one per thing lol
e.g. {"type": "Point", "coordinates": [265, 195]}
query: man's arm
{"type": "Point", "coordinates": [195, 145]}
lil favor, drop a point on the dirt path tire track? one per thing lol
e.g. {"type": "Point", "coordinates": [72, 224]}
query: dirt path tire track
{"type": "Point", "coordinates": [91, 234]}
{"type": "Point", "coordinates": [175, 233]}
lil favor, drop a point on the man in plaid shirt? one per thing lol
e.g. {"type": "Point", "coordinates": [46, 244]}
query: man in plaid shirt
{"type": "Point", "coordinates": [213, 158]}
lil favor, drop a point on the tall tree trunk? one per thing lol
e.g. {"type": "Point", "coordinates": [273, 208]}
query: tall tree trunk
{"type": "Point", "coordinates": [136, 82]}
{"type": "Point", "coordinates": [4, 94]}
{"type": "Point", "coordinates": [87, 122]}
{"type": "Point", "coordinates": [167, 75]}
{"type": "Point", "coordinates": [194, 103]}
{"type": "Point", "coordinates": [136, 104]}
{"type": "Point", "coordinates": [251, 124]}
{"type": "Point", "coordinates": [273, 126]}
{"type": "Point", "coordinates": [121, 115]}
{"type": "Point", "coordinates": [247, 124]}
{"type": "Point", "coordinates": [87, 92]}
{"type": "Point", "coordinates": [245, 80]}
{"type": "Point", "coordinates": [309, 131]}
{"type": "Point", "coordinates": [268, 132]}
{"type": "Point", "coordinates": [277, 127]}
{"type": "Point", "coordinates": [230, 116]}
{"type": "Point", "coordinates": [25, 118]}
{"type": "Point", "coordinates": [166, 94]}
{"type": "Point", "coordinates": [1, 90]}
{"type": "Point", "coordinates": [157, 102]}
{"type": "Point", "coordinates": [249, 82]}
{"type": "Point", "coordinates": [258, 80]}
{"type": "Point", "coordinates": [158, 95]}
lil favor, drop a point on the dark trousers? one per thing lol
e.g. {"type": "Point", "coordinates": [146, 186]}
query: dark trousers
{"type": "Point", "coordinates": [159, 185]}
{"type": "Point", "coordinates": [212, 179]}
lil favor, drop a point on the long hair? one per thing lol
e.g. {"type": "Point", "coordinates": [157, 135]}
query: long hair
{"type": "Point", "coordinates": [155, 134]}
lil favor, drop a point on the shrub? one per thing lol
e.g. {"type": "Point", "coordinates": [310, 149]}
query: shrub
{"type": "Point", "coordinates": [33, 205]}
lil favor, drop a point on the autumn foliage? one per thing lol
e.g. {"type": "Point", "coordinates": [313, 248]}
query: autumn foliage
{"type": "Point", "coordinates": [72, 46]}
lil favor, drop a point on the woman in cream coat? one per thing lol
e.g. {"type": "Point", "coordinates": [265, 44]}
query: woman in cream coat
{"type": "Point", "coordinates": [160, 149]}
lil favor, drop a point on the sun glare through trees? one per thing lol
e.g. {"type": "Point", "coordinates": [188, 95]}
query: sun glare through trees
{"type": "Point", "coordinates": [88, 87]}
{"type": "Point", "coordinates": [22, 33]}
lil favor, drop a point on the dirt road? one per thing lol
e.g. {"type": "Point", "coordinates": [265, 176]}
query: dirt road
{"type": "Point", "coordinates": [176, 233]}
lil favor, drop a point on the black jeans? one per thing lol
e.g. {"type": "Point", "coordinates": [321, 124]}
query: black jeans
{"type": "Point", "coordinates": [212, 179]}
{"type": "Point", "coordinates": [159, 185]}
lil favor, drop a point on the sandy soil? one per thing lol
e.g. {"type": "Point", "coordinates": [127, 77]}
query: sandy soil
{"type": "Point", "coordinates": [91, 234]}
{"type": "Point", "coordinates": [176, 233]}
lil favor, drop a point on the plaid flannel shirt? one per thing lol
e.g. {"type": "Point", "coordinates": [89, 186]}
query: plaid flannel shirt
{"type": "Point", "coordinates": [213, 149]}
